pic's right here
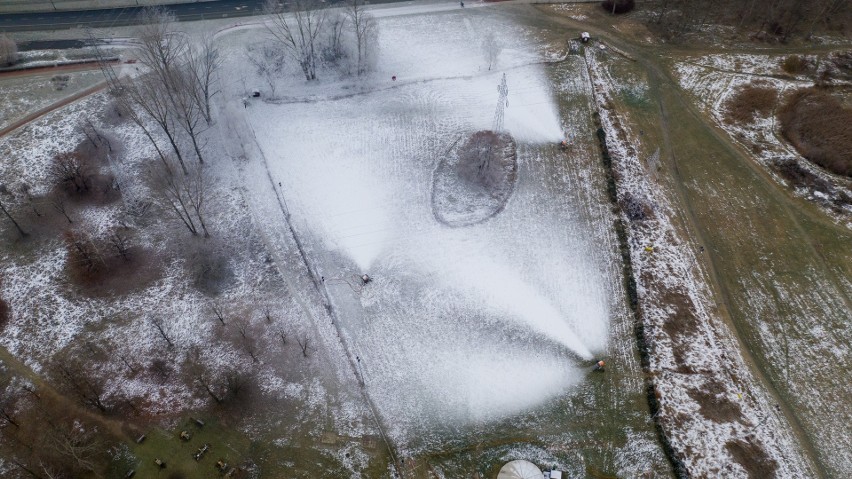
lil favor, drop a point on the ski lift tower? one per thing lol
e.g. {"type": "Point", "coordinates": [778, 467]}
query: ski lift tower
{"type": "Point", "coordinates": [502, 103]}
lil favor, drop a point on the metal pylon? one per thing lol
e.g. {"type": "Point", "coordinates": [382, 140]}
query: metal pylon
{"type": "Point", "coordinates": [502, 103]}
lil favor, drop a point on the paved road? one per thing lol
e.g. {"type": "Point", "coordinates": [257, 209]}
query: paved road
{"type": "Point", "coordinates": [125, 16]}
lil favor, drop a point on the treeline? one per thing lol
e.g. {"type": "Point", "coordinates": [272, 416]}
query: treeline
{"type": "Point", "coordinates": [772, 20]}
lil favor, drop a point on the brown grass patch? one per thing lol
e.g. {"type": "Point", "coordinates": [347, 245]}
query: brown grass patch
{"type": "Point", "coordinates": [98, 271]}
{"type": "Point", "coordinates": [681, 327]}
{"type": "Point", "coordinates": [755, 461]}
{"type": "Point", "coordinates": [817, 125]}
{"type": "Point", "coordinates": [713, 403]}
{"type": "Point", "coordinates": [797, 65]}
{"type": "Point", "coordinates": [749, 101]}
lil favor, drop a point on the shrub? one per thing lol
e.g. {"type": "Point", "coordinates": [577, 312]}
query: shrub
{"type": "Point", "coordinates": [817, 125]}
{"type": "Point", "coordinates": [636, 208]}
{"type": "Point", "coordinates": [618, 6]}
{"type": "Point", "coordinates": [797, 64]}
{"type": "Point", "coordinates": [749, 101]}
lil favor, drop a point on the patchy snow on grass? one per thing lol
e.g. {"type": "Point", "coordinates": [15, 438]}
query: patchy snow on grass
{"type": "Point", "coordinates": [28, 152]}
{"type": "Point", "coordinates": [709, 401]}
{"type": "Point", "coordinates": [713, 84]}
{"type": "Point", "coordinates": [114, 336]}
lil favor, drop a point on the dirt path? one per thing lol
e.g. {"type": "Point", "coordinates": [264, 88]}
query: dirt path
{"type": "Point", "coordinates": [54, 106]}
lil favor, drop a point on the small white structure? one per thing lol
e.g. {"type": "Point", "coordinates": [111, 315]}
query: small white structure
{"type": "Point", "coordinates": [519, 469]}
{"type": "Point", "coordinates": [584, 37]}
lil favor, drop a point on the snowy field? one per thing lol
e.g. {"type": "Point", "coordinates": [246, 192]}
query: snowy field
{"type": "Point", "coordinates": [459, 326]}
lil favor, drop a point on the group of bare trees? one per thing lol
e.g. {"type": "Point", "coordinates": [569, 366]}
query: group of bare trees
{"type": "Point", "coordinates": [310, 33]}
{"type": "Point", "coordinates": [779, 19]}
{"type": "Point", "coordinates": [170, 100]}
{"type": "Point", "coordinates": [41, 437]}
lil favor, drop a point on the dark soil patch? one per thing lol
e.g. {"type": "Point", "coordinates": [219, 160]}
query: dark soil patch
{"type": "Point", "coordinates": [680, 327]}
{"type": "Point", "coordinates": [755, 461]}
{"type": "Point", "coordinates": [475, 180]}
{"type": "Point", "coordinates": [618, 6]}
{"type": "Point", "coordinates": [713, 403]}
{"type": "Point", "coordinates": [749, 101]}
{"type": "Point", "coordinates": [5, 313]}
{"type": "Point", "coordinates": [817, 125]}
{"type": "Point", "coordinates": [799, 177]}
{"type": "Point", "coordinates": [682, 322]}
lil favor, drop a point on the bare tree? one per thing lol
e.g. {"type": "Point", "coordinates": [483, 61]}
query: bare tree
{"type": "Point", "coordinates": [84, 382]}
{"type": "Point", "coordinates": [77, 445]}
{"type": "Point", "coordinates": [218, 312]}
{"type": "Point", "coordinates": [491, 48]}
{"type": "Point", "coordinates": [161, 46]}
{"type": "Point", "coordinates": [83, 251]}
{"type": "Point", "coordinates": [304, 346]}
{"type": "Point", "coordinates": [298, 31]}
{"type": "Point", "coordinates": [121, 243]}
{"type": "Point", "coordinates": [71, 171]}
{"type": "Point", "coordinates": [203, 62]}
{"type": "Point", "coordinates": [184, 195]}
{"type": "Point", "coordinates": [147, 94]}
{"type": "Point", "coordinates": [189, 111]}
{"type": "Point", "coordinates": [127, 102]}
{"type": "Point", "coordinates": [198, 372]}
{"type": "Point", "coordinates": [268, 62]}
{"type": "Point", "coordinates": [364, 26]}
{"type": "Point", "coordinates": [61, 206]}
{"type": "Point", "coordinates": [161, 93]}
{"type": "Point", "coordinates": [8, 51]}
{"type": "Point", "coordinates": [158, 323]}
{"type": "Point", "coordinates": [333, 47]}
{"type": "Point", "coordinates": [10, 395]}
{"type": "Point", "coordinates": [4, 207]}
{"type": "Point", "coordinates": [24, 190]}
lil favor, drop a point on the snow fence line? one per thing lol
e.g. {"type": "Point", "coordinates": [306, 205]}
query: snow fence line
{"type": "Point", "coordinates": [689, 353]}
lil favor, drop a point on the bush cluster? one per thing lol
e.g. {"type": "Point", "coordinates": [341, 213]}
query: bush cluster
{"type": "Point", "coordinates": [817, 125]}
{"type": "Point", "coordinates": [749, 101]}
{"type": "Point", "coordinates": [797, 64]}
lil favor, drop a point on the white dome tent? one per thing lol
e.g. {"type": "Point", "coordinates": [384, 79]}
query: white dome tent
{"type": "Point", "coordinates": [519, 469]}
